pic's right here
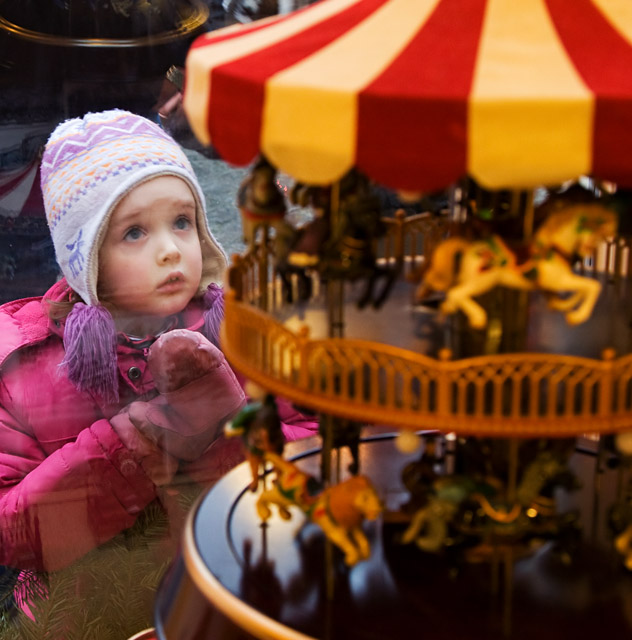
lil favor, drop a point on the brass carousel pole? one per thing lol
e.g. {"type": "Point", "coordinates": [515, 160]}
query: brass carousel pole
{"type": "Point", "coordinates": [263, 248]}
{"type": "Point", "coordinates": [528, 217]}
{"type": "Point", "coordinates": [335, 315]}
{"type": "Point", "coordinates": [335, 286]}
{"type": "Point", "coordinates": [512, 483]}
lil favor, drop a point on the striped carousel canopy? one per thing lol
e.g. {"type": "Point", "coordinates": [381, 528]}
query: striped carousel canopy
{"type": "Point", "coordinates": [418, 93]}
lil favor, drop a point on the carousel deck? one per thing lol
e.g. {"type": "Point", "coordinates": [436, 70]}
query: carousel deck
{"type": "Point", "coordinates": [238, 579]}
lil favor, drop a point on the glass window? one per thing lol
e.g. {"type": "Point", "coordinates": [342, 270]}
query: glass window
{"type": "Point", "coordinates": [76, 561]}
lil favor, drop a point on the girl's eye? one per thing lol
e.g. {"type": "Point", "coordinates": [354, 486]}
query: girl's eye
{"type": "Point", "coordinates": [133, 234]}
{"type": "Point", "coordinates": [183, 222]}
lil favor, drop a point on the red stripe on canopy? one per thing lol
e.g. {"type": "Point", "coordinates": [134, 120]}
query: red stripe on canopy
{"type": "Point", "coordinates": [603, 58]}
{"type": "Point", "coordinates": [413, 118]}
{"type": "Point", "coordinates": [236, 110]}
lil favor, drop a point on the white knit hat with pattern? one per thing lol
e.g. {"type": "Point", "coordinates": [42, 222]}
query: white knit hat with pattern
{"type": "Point", "coordinates": [88, 166]}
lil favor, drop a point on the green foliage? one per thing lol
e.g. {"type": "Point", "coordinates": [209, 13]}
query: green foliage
{"type": "Point", "coordinates": [106, 595]}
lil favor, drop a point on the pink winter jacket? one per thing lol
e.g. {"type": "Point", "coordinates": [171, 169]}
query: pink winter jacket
{"type": "Point", "coordinates": [67, 483]}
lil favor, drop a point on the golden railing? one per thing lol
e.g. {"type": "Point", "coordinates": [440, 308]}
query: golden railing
{"type": "Point", "coordinates": [519, 394]}
{"type": "Point", "coordinates": [513, 394]}
{"type": "Point", "coordinates": [409, 238]}
{"type": "Point", "coordinates": [613, 258]}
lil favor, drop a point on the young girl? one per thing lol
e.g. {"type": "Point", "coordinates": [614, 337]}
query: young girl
{"type": "Point", "coordinates": [112, 383]}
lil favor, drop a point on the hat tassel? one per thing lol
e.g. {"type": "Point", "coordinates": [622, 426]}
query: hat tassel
{"type": "Point", "coordinates": [90, 344]}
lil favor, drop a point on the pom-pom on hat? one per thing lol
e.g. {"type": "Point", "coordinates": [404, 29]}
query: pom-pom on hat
{"type": "Point", "coordinates": [88, 166]}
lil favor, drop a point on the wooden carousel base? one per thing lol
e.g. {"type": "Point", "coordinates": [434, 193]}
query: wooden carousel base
{"type": "Point", "coordinates": [237, 579]}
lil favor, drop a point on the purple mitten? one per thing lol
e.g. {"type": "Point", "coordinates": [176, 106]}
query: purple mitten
{"type": "Point", "coordinates": [198, 394]}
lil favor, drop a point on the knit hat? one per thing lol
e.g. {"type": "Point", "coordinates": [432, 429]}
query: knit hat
{"type": "Point", "coordinates": [89, 165]}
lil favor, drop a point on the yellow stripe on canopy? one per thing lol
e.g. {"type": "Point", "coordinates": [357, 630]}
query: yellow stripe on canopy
{"type": "Point", "coordinates": [619, 14]}
{"type": "Point", "coordinates": [310, 112]}
{"type": "Point", "coordinates": [530, 114]}
{"type": "Point", "coordinates": [202, 59]}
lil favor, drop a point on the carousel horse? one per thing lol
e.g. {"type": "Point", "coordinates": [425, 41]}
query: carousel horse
{"type": "Point", "coordinates": [259, 426]}
{"type": "Point", "coordinates": [297, 250]}
{"type": "Point", "coordinates": [344, 433]}
{"type": "Point", "coordinates": [350, 254]}
{"type": "Point", "coordinates": [620, 514]}
{"type": "Point", "coordinates": [419, 476]}
{"type": "Point", "coordinates": [344, 250]}
{"type": "Point", "coordinates": [260, 201]}
{"type": "Point", "coordinates": [297, 255]}
{"type": "Point", "coordinates": [465, 269]}
{"type": "Point", "coordinates": [338, 510]}
{"type": "Point", "coordinates": [620, 522]}
{"type": "Point", "coordinates": [448, 496]}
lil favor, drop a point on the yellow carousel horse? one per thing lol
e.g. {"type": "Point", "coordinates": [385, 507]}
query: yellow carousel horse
{"type": "Point", "coordinates": [338, 510]}
{"type": "Point", "coordinates": [575, 230]}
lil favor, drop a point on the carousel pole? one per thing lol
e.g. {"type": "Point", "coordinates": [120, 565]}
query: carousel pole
{"type": "Point", "coordinates": [335, 286]}
{"type": "Point", "coordinates": [528, 217]}
{"type": "Point", "coordinates": [335, 314]}
{"type": "Point", "coordinates": [335, 310]}
{"type": "Point", "coordinates": [511, 333]}
{"type": "Point", "coordinates": [521, 206]}
{"type": "Point", "coordinates": [329, 549]}
{"type": "Point", "coordinates": [512, 483]}
{"type": "Point", "coordinates": [263, 249]}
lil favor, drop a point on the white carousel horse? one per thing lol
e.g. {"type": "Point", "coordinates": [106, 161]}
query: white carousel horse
{"type": "Point", "coordinates": [260, 201]}
{"type": "Point", "coordinates": [484, 264]}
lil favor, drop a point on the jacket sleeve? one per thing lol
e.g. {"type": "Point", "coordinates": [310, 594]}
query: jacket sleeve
{"type": "Point", "coordinates": [296, 425]}
{"type": "Point", "coordinates": [55, 508]}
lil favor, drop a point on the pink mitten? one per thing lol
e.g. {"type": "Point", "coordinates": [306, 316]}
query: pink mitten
{"type": "Point", "coordinates": [157, 464]}
{"type": "Point", "coordinates": [198, 394]}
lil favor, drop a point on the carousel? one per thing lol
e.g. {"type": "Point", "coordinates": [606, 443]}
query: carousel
{"type": "Point", "coordinates": [467, 350]}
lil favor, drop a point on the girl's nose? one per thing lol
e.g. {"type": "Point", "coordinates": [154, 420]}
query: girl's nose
{"type": "Point", "coordinates": [168, 250]}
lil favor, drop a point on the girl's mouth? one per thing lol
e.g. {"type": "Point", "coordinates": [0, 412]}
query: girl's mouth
{"type": "Point", "coordinates": [173, 281]}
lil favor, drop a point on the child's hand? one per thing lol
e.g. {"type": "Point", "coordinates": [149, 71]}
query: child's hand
{"type": "Point", "coordinates": [157, 464]}
{"type": "Point", "coordinates": [198, 394]}
{"type": "Point", "coordinates": [181, 356]}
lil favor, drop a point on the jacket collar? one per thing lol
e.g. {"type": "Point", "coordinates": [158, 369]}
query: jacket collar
{"type": "Point", "coordinates": [26, 321]}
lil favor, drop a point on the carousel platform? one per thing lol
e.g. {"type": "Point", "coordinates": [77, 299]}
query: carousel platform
{"type": "Point", "coordinates": [237, 578]}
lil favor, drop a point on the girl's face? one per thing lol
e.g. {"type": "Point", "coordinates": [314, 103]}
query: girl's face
{"type": "Point", "coordinates": [150, 262]}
